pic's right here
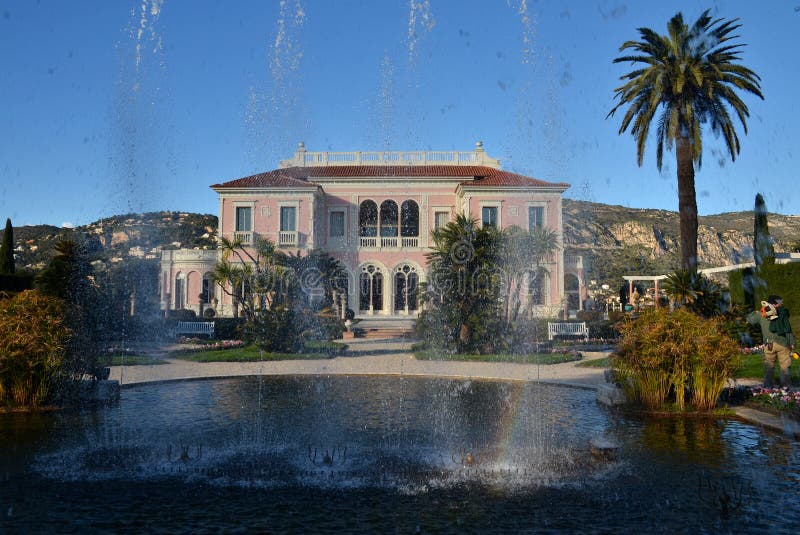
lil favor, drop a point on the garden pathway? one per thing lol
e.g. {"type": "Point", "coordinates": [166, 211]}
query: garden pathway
{"type": "Point", "coordinates": [365, 357]}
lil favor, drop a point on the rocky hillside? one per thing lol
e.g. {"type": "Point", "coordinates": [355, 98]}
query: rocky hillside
{"type": "Point", "coordinates": [615, 240]}
{"type": "Point", "coordinates": [113, 239]}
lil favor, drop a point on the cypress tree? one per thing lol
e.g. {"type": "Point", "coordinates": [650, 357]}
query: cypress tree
{"type": "Point", "coordinates": [763, 250]}
{"type": "Point", "coordinates": [7, 250]}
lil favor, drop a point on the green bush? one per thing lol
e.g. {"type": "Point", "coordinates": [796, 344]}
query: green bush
{"type": "Point", "coordinates": [605, 329]}
{"type": "Point", "coordinates": [679, 353]}
{"type": "Point", "coordinates": [228, 328]}
{"type": "Point", "coordinates": [33, 347]}
{"type": "Point", "coordinates": [588, 315]}
{"type": "Point", "coordinates": [182, 314]}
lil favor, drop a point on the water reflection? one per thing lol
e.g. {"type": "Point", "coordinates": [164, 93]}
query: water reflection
{"type": "Point", "coordinates": [448, 453]}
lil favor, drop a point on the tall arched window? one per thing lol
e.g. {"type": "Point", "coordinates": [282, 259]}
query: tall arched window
{"type": "Point", "coordinates": [207, 292]}
{"type": "Point", "coordinates": [180, 291]}
{"type": "Point", "coordinates": [572, 288]}
{"type": "Point", "coordinates": [370, 289]}
{"type": "Point", "coordinates": [389, 219]}
{"type": "Point", "coordinates": [409, 218]}
{"type": "Point", "coordinates": [406, 282]}
{"type": "Point", "coordinates": [368, 219]}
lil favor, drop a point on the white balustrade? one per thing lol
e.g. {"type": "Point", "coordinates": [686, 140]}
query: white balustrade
{"type": "Point", "coordinates": [287, 237]}
{"type": "Point", "coordinates": [246, 238]}
{"type": "Point", "coordinates": [389, 242]}
{"type": "Point", "coordinates": [575, 261]}
{"type": "Point", "coordinates": [304, 158]}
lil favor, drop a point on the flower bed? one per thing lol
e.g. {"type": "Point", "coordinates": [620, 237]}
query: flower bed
{"type": "Point", "coordinates": [195, 344]}
{"type": "Point", "coordinates": [753, 350]}
{"type": "Point", "coordinates": [778, 400]}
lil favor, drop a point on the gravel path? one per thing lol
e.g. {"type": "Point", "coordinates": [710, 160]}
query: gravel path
{"type": "Point", "coordinates": [367, 357]}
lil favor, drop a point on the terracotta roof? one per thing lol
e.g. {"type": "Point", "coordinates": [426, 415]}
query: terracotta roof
{"type": "Point", "coordinates": [278, 178]}
{"type": "Point", "coordinates": [498, 177]}
{"type": "Point", "coordinates": [479, 176]}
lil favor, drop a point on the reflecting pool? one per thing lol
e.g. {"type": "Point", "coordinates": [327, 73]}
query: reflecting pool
{"type": "Point", "coordinates": [386, 454]}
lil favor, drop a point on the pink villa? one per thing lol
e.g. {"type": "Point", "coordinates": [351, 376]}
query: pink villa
{"type": "Point", "coordinates": [375, 211]}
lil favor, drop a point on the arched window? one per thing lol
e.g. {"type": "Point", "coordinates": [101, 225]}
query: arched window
{"type": "Point", "coordinates": [389, 219]}
{"type": "Point", "coordinates": [207, 292]}
{"type": "Point", "coordinates": [368, 219]}
{"type": "Point", "coordinates": [180, 291]}
{"type": "Point", "coordinates": [409, 218]}
{"type": "Point", "coordinates": [406, 283]}
{"type": "Point", "coordinates": [572, 288]}
{"type": "Point", "coordinates": [370, 289]}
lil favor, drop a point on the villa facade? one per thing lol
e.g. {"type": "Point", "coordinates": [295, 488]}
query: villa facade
{"type": "Point", "coordinates": [374, 211]}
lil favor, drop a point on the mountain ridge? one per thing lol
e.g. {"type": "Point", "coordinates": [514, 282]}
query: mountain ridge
{"type": "Point", "coordinates": [614, 240]}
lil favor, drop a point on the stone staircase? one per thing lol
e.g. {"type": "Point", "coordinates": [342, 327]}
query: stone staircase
{"type": "Point", "coordinates": [386, 327]}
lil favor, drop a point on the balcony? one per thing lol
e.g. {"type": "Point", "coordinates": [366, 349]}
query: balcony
{"type": "Point", "coordinates": [573, 261]}
{"type": "Point", "coordinates": [287, 238]}
{"type": "Point", "coordinates": [305, 158]}
{"type": "Point", "coordinates": [246, 238]}
{"type": "Point", "coordinates": [388, 242]}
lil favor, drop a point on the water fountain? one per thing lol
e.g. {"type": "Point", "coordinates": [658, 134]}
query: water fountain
{"type": "Point", "coordinates": [316, 453]}
{"type": "Point", "coordinates": [379, 454]}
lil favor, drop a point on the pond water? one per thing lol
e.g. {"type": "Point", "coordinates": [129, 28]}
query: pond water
{"type": "Point", "coordinates": [379, 454]}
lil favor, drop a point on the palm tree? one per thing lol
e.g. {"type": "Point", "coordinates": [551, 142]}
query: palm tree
{"type": "Point", "coordinates": [463, 268]}
{"type": "Point", "coordinates": [691, 75]}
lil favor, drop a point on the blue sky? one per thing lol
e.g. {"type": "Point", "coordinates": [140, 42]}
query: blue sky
{"type": "Point", "coordinates": [98, 118]}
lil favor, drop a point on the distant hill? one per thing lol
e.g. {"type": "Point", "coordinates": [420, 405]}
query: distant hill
{"type": "Point", "coordinates": [614, 240]}
{"type": "Point", "coordinates": [113, 239]}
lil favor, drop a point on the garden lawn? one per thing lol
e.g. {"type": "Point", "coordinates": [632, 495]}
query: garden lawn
{"type": "Point", "coordinates": [604, 362]}
{"type": "Point", "coordinates": [534, 358]}
{"type": "Point", "coordinates": [752, 367]}
{"type": "Point", "coordinates": [315, 351]}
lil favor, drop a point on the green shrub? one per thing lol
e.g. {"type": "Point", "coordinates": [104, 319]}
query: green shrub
{"type": "Point", "coordinates": [589, 315]}
{"type": "Point", "coordinates": [228, 328]}
{"type": "Point", "coordinates": [663, 352]}
{"type": "Point", "coordinates": [273, 331]}
{"type": "Point", "coordinates": [182, 314]}
{"type": "Point", "coordinates": [33, 347]}
{"type": "Point", "coordinates": [605, 329]}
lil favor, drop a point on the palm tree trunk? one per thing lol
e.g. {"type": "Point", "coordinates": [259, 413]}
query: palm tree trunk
{"type": "Point", "coordinates": [687, 205]}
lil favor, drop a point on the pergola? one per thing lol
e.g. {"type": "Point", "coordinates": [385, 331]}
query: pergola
{"type": "Point", "coordinates": [651, 278]}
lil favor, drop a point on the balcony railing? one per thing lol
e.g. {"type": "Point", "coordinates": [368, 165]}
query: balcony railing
{"type": "Point", "coordinates": [287, 237]}
{"type": "Point", "coordinates": [574, 261]}
{"type": "Point", "coordinates": [388, 242]}
{"type": "Point", "coordinates": [246, 238]}
{"type": "Point", "coordinates": [304, 158]}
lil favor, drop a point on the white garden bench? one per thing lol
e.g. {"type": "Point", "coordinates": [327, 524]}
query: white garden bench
{"type": "Point", "coordinates": [567, 329]}
{"type": "Point", "coordinates": [195, 327]}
